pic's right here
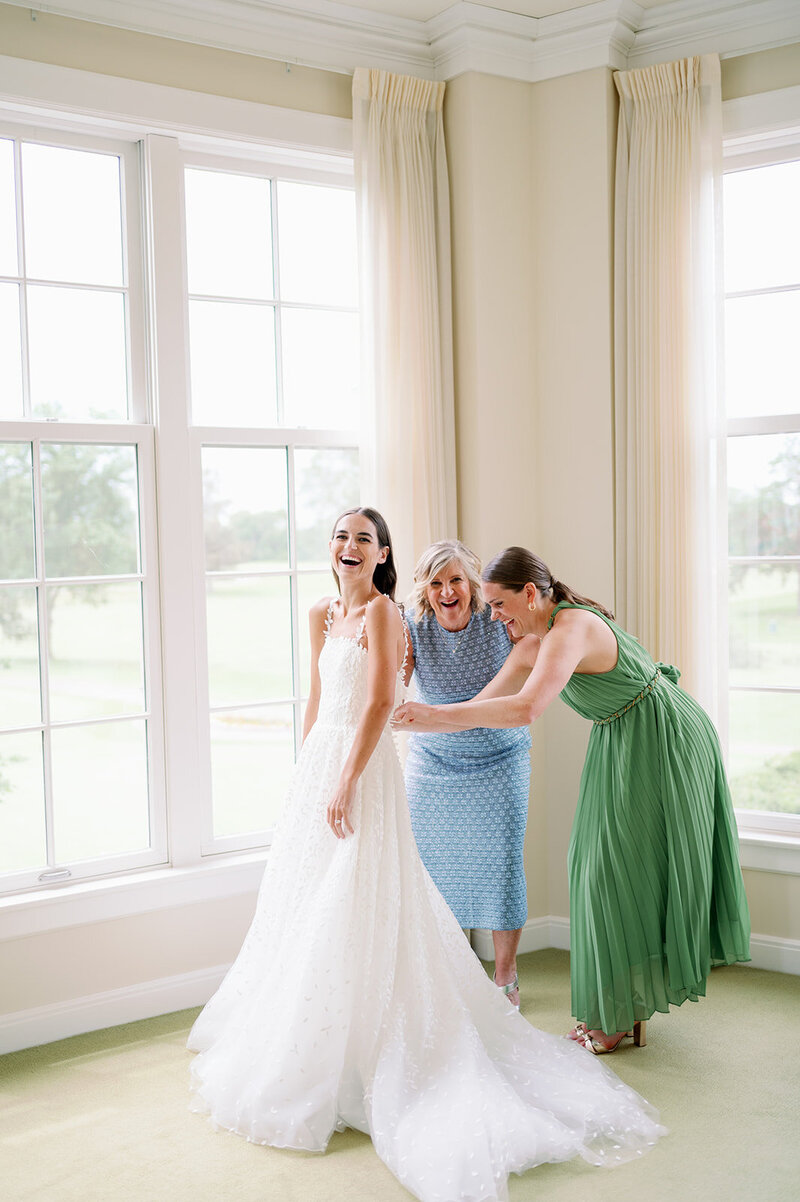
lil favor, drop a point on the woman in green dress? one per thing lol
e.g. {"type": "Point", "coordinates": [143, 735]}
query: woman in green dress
{"type": "Point", "coordinates": [656, 891]}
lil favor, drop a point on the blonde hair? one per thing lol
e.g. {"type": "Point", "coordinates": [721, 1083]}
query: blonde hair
{"type": "Point", "coordinates": [433, 561]}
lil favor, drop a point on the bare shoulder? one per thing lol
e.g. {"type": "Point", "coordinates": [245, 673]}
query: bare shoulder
{"type": "Point", "coordinates": [578, 621]}
{"type": "Point", "coordinates": [383, 612]}
{"type": "Point", "coordinates": [319, 612]}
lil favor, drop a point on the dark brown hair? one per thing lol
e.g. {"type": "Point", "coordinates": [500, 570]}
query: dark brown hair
{"type": "Point", "coordinates": [385, 575]}
{"type": "Point", "coordinates": [515, 567]}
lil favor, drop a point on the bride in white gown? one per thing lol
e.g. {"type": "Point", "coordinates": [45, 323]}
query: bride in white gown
{"type": "Point", "coordinates": [355, 1000]}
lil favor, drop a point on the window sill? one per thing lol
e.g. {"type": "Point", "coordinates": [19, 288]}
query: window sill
{"type": "Point", "coordinates": [133, 893]}
{"type": "Point", "coordinates": [767, 852]}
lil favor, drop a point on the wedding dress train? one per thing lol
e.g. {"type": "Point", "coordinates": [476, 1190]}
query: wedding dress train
{"type": "Point", "coordinates": [356, 1001]}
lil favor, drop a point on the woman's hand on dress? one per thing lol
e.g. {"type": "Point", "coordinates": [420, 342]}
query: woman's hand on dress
{"type": "Point", "coordinates": [414, 715]}
{"type": "Point", "coordinates": [339, 810]}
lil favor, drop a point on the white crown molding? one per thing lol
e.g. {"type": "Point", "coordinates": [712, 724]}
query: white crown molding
{"type": "Point", "coordinates": [725, 27]}
{"type": "Point", "coordinates": [465, 37]}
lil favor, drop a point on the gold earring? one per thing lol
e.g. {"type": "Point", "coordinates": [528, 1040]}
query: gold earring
{"type": "Point", "coordinates": [531, 607]}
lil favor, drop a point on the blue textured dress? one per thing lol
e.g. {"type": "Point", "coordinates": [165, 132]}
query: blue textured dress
{"type": "Point", "coordinates": [468, 791]}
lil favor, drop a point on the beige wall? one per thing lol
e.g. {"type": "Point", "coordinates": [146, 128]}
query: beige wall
{"type": "Point", "coordinates": [532, 192]}
{"type": "Point", "coordinates": [82, 961]}
{"type": "Point", "coordinates": [92, 47]}
{"type": "Point", "coordinates": [534, 403]}
{"type": "Point", "coordinates": [766, 71]}
{"type": "Point", "coordinates": [489, 126]}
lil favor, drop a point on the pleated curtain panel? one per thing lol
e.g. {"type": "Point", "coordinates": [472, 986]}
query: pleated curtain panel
{"type": "Point", "coordinates": [667, 388]}
{"type": "Point", "coordinates": [403, 209]}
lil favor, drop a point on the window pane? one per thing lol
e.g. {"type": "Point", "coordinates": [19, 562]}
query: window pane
{"type": "Point", "coordinates": [311, 587]}
{"type": "Point", "coordinates": [326, 484]}
{"type": "Point", "coordinates": [249, 639]}
{"type": "Point", "coordinates": [317, 244]}
{"type": "Point", "coordinates": [320, 385]}
{"type": "Point", "coordinates": [245, 510]}
{"type": "Point", "coordinates": [77, 353]}
{"type": "Point", "coordinates": [91, 509]}
{"type": "Point", "coordinates": [252, 757]}
{"type": "Point", "coordinates": [228, 235]}
{"type": "Point", "coordinates": [764, 495]}
{"type": "Point", "coordinates": [762, 233]}
{"type": "Point", "coordinates": [17, 557]}
{"type": "Point", "coordinates": [232, 354]}
{"type": "Point", "coordinates": [72, 215]}
{"type": "Point", "coordinates": [22, 833]}
{"type": "Point", "coordinates": [10, 354]}
{"type": "Point", "coordinates": [8, 210]}
{"type": "Point", "coordinates": [20, 698]}
{"type": "Point", "coordinates": [764, 624]}
{"type": "Point", "coordinates": [762, 366]}
{"type": "Point", "coordinates": [100, 790]}
{"type": "Point", "coordinates": [95, 650]}
{"type": "Point", "coordinates": [765, 751]}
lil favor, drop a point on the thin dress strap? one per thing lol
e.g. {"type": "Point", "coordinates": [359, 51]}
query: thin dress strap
{"type": "Point", "coordinates": [363, 627]}
{"type": "Point", "coordinates": [329, 617]}
{"type": "Point", "coordinates": [406, 641]}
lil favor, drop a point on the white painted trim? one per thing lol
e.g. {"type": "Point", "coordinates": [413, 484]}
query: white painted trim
{"type": "Point", "coordinates": [91, 102]}
{"type": "Point", "coordinates": [760, 120]}
{"type": "Point", "coordinates": [725, 27]}
{"type": "Point", "coordinates": [764, 852]}
{"type": "Point", "coordinates": [45, 1024]}
{"type": "Point", "coordinates": [775, 955]}
{"type": "Point", "coordinates": [537, 934]}
{"type": "Point", "coordinates": [767, 951]}
{"type": "Point", "coordinates": [465, 37]}
{"type": "Point", "coordinates": [102, 900]}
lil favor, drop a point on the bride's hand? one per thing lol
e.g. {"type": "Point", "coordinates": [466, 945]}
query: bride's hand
{"type": "Point", "coordinates": [339, 810]}
{"type": "Point", "coordinates": [413, 715]}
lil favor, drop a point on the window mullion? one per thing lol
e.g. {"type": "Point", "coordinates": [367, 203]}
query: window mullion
{"type": "Point", "coordinates": [176, 489]}
{"type": "Point", "coordinates": [23, 288]}
{"type": "Point", "coordinates": [44, 653]}
{"type": "Point", "coordinates": [276, 286]}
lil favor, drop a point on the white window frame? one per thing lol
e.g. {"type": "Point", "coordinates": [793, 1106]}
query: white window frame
{"type": "Point", "coordinates": [290, 438]}
{"type": "Point", "coordinates": [166, 124]}
{"type": "Point", "coordinates": [758, 131]}
{"type": "Point", "coordinates": [138, 433]}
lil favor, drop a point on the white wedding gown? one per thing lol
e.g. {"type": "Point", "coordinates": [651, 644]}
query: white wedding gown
{"type": "Point", "coordinates": [356, 1001]}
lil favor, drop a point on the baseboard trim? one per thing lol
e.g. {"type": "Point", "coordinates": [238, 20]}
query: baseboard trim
{"type": "Point", "coordinates": [537, 934]}
{"type": "Point", "coordinates": [767, 951]}
{"type": "Point", "coordinates": [45, 1024]}
{"type": "Point", "coordinates": [774, 954]}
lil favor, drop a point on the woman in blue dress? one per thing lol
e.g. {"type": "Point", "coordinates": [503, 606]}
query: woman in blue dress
{"type": "Point", "coordinates": [467, 791]}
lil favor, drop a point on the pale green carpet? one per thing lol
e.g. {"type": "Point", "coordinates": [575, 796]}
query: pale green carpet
{"type": "Point", "coordinates": [104, 1116]}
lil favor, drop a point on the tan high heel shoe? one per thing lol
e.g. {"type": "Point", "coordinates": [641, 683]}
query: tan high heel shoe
{"type": "Point", "coordinates": [581, 1035]}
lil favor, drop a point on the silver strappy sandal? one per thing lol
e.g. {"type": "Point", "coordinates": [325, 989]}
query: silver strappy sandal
{"type": "Point", "coordinates": [509, 988]}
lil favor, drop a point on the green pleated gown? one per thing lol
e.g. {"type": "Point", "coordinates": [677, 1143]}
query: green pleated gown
{"type": "Point", "coordinates": [656, 891]}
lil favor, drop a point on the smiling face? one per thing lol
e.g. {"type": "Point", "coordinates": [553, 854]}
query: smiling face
{"type": "Point", "coordinates": [450, 597]}
{"type": "Point", "coordinates": [355, 549]}
{"type": "Point", "coordinates": [511, 608]}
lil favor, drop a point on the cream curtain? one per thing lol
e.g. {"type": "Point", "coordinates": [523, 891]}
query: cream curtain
{"type": "Point", "coordinates": [404, 246]}
{"type": "Point", "coordinates": [668, 181]}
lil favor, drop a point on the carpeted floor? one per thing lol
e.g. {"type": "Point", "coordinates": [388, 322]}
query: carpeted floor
{"type": "Point", "coordinates": [104, 1117]}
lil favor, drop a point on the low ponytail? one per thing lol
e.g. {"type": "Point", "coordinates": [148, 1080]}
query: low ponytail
{"type": "Point", "coordinates": [515, 567]}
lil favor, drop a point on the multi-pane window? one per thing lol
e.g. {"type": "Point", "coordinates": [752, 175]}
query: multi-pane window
{"type": "Point", "coordinates": [79, 780]}
{"type": "Point", "coordinates": [762, 316]}
{"type": "Point", "coordinates": [271, 269]}
{"type": "Point", "coordinates": [256, 443]}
